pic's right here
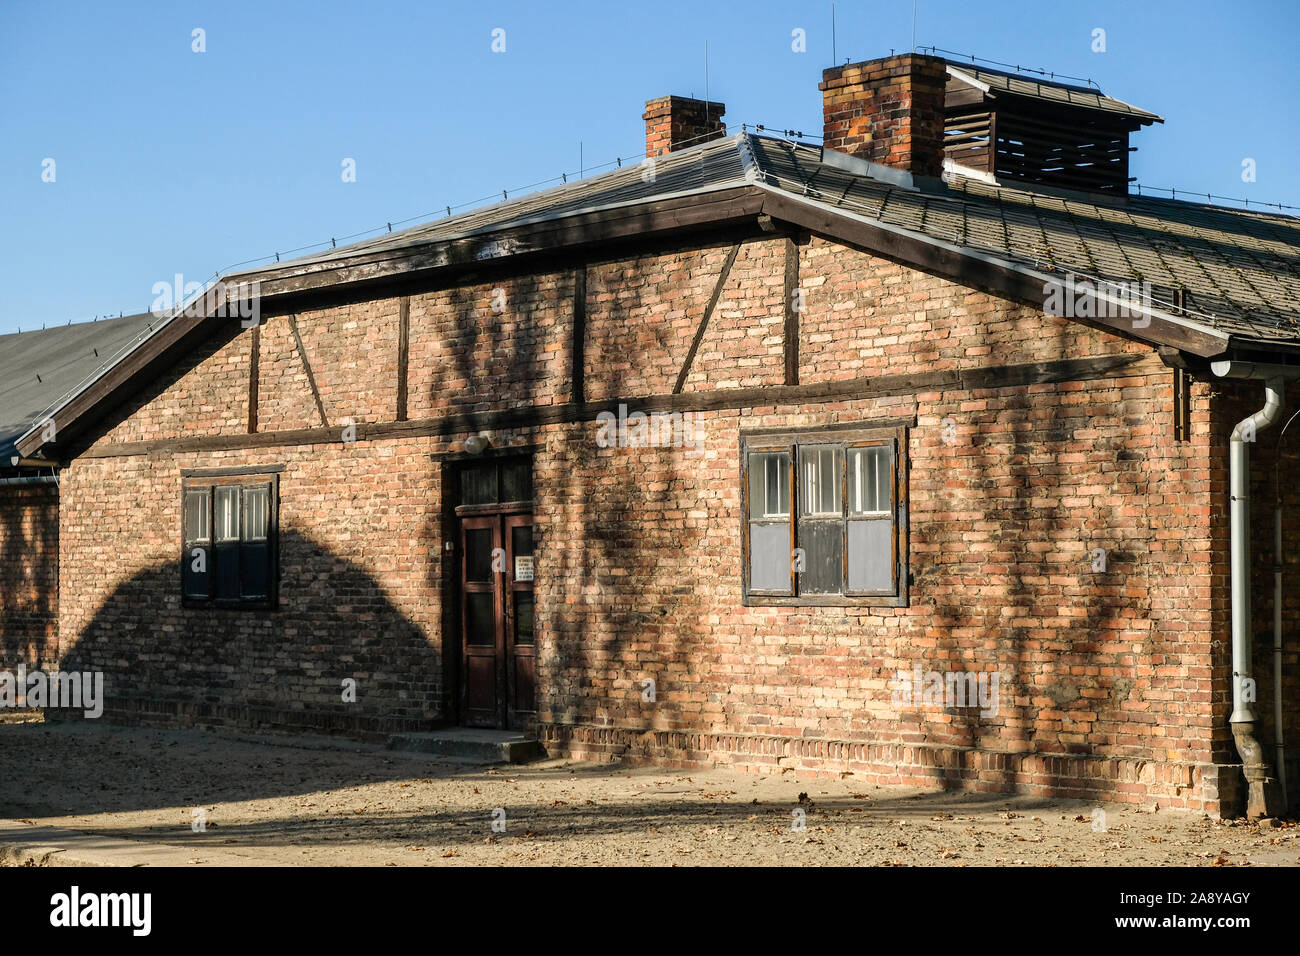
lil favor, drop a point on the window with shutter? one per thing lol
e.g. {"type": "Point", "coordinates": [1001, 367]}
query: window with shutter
{"type": "Point", "coordinates": [825, 517]}
{"type": "Point", "coordinates": [229, 541]}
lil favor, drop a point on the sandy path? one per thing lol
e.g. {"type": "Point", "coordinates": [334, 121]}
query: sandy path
{"type": "Point", "coordinates": [294, 805]}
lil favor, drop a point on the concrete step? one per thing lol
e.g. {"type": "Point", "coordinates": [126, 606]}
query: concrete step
{"type": "Point", "coordinates": [466, 743]}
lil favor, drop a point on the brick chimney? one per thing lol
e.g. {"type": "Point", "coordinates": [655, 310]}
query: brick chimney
{"type": "Point", "coordinates": [676, 122]}
{"type": "Point", "coordinates": [888, 111]}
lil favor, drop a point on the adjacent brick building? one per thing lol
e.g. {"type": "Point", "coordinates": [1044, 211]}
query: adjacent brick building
{"type": "Point", "coordinates": [39, 369]}
{"type": "Point", "coordinates": [412, 492]}
{"type": "Point", "coordinates": [29, 573]}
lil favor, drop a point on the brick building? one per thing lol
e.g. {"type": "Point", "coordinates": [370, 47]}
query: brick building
{"type": "Point", "coordinates": [39, 369]}
{"type": "Point", "coordinates": [756, 452]}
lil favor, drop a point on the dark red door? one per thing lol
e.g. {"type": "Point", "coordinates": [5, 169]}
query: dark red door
{"type": "Point", "coordinates": [498, 653]}
{"type": "Point", "coordinates": [521, 651]}
{"type": "Point", "coordinates": [482, 615]}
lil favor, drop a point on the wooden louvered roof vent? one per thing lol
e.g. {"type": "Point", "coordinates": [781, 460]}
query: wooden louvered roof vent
{"type": "Point", "coordinates": [1017, 128]}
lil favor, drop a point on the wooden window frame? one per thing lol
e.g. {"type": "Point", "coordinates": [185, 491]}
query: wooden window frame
{"type": "Point", "coordinates": [209, 480]}
{"type": "Point", "coordinates": [845, 439]}
{"type": "Point", "coordinates": [499, 461]}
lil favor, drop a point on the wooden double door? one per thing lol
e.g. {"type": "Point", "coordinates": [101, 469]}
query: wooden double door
{"type": "Point", "coordinates": [498, 673]}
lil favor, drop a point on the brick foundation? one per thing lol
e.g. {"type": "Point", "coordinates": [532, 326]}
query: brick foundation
{"type": "Point", "coordinates": [1185, 786]}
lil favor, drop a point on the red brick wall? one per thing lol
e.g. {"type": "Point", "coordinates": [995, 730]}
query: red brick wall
{"type": "Point", "coordinates": [359, 537]}
{"type": "Point", "coordinates": [29, 574]}
{"type": "Point", "coordinates": [207, 394]}
{"type": "Point", "coordinates": [1113, 667]}
{"type": "Point", "coordinates": [642, 315]}
{"type": "Point", "coordinates": [467, 356]}
{"type": "Point", "coordinates": [1111, 683]}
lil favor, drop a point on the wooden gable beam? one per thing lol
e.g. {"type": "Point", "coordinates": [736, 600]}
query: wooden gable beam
{"type": "Point", "coordinates": [403, 353]}
{"type": "Point", "coordinates": [254, 361]}
{"type": "Point", "coordinates": [704, 319]}
{"type": "Point", "coordinates": [578, 349]}
{"type": "Point", "coordinates": [311, 379]}
{"type": "Point", "coordinates": [790, 335]}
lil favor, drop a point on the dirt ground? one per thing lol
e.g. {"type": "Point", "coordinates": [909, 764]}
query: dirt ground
{"type": "Point", "coordinates": [293, 803]}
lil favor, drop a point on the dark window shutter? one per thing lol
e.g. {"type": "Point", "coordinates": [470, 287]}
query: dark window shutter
{"type": "Point", "coordinates": [255, 545]}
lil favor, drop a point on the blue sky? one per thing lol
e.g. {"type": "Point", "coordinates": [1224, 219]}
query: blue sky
{"type": "Point", "coordinates": [170, 161]}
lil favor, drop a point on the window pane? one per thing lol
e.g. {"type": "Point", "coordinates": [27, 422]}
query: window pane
{"type": "Point", "coordinates": [226, 516]}
{"type": "Point", "coordinates": [478, 554]}
{"type": "Point", "coordinates": [225, 570]}
{"type": "Point", "coordinates": [480, 618]}
{"type": "Point", "coordinates": [871, 472]}
{"type": "Point", "coordinates": [823, 553]}
{"type": "Point", "coordinates": [523, 617]}
{"type": "Point", "coordinates": [769, 557]}
{"type": "Point", "coordinates": [257, 512]}
{"type": "Point", "coordinates": [517, 480]}
{"type": "Point", "coordinates": [769, 485]}
{"type": "Point", "coordinates": [230, 527]}
{"type": "Point", "coordinates": [521, 540]}
{"type": "Point", "coordinates": [254, 570]}
{"type": "Point", "coordinates": [196, 578]}
{"type": "Point", "coordinates": [478, 484]}
{"type": "Point", "coordinates": [521, 544]}
{"type": "Point", "coordinates": [871, 555]}
{"type": "Point", "coordinates": [196, 516]}
{"type": "Point", "coordinates": [820, 480]}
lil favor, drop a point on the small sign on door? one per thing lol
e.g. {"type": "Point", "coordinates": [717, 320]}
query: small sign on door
{"type": "Point", "coordinates": [524, 568]}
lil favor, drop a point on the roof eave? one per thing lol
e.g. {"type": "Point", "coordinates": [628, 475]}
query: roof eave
{"type": "Point", "coordinates": [1006, 276]}
{"type": "Point", "coordinates": [729, 205]}
{"type": "Point", "coordinates": [709, 208]}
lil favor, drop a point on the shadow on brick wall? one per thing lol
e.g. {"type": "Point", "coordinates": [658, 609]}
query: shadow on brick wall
{"type": "Point", "coordinates": [29, 565]}
{"type": "Point", "coordinates": [169, 665]}
{"type": "Point", "coordinates": [1012, 469]}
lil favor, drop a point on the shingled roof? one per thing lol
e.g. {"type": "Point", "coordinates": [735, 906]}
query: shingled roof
{"type": "Point", "coordinates": [1239, 271]}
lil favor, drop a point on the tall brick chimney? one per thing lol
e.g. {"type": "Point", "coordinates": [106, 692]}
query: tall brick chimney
{"type": "Point", "coordinates": [888, 111]}
{"type": "Point", "coordinates": [675, 122]}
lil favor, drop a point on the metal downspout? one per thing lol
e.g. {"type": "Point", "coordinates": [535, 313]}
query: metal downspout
{"type": "Point", "coordinates": [1262, 797]}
